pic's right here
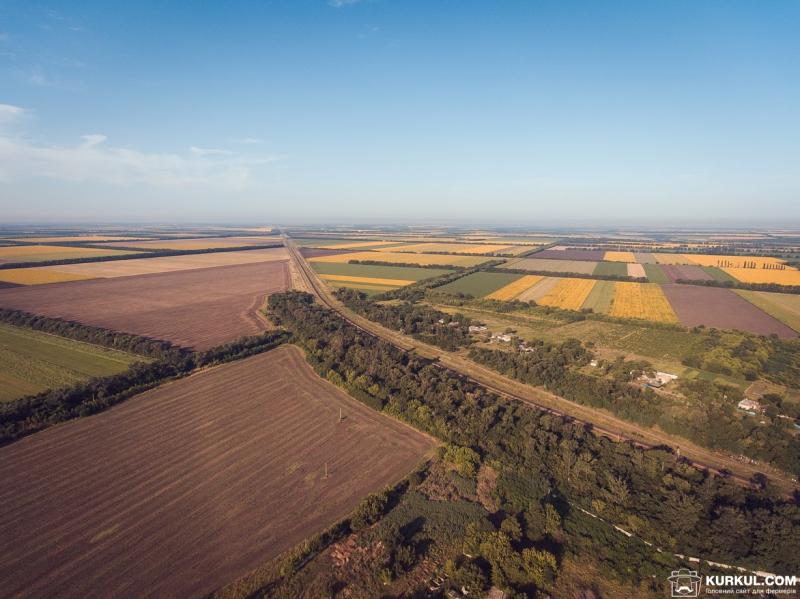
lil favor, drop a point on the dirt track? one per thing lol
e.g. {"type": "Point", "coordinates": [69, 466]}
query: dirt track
{"type": "Point", "coordinates": [189, 486]}
{"type": "Point", "coordinates": [194, 308]}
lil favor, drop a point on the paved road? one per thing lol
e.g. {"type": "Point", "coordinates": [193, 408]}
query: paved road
{"type": "Point", "coordinates": [602, 422]}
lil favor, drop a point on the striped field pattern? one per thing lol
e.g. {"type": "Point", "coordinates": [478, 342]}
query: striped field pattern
{"type": "Point", "coordinates": [512, 290]}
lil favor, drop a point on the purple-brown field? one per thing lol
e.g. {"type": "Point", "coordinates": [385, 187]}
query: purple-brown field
{"type": "Point", "coordinates": [197, 308]}
{"type": "Point", "coordinates": [722, 309]}
{"type": "Point", "coordinates": [677, 272]}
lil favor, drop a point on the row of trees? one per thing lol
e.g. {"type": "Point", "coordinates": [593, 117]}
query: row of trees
{"type": "Point", "coordinates": [652, 493]}
{"type": "Point", "coordinates": [143, 346]}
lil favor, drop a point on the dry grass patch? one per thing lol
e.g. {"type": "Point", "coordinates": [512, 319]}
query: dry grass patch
{"type": "Point", "coordinates": [39, 276]}
{"type": "Point", "coordinates": [619, 257]}
{"type": "Point", "coordinates": [788, 276]}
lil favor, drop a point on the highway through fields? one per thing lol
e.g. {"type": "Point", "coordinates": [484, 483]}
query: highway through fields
{"type": "Point", "coordinates": [601, 421]}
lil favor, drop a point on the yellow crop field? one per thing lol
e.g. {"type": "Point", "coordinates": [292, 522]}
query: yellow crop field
{"type": "Point", "coordinates": [453, 248]}
{"type": "Point", "coordinates": [38, 276]}
{"type": "Point", "coordinates": [642, 300]}
{"type": "Point", "coordinates": [730, 261]}
{"type": "Point", "coordinates": [569, 294]}
{"type": "Point", "coordinates": [368, 280]}
{"type": "Point", "coordinates": [354, 244]}
{"type": "Point", "coordinates": [788, 276]}
{"type": "Point", "coordinates": [512, 290]}
{"type": "Point", "coordinates": [404, 258]}
{"type": "Point", "coordinates": [619, 257]}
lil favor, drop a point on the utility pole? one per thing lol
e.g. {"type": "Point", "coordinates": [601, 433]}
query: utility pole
{"type": "Point", "coordinates": [326, 470]}
{"type": "Point", "coordinates": [340, 415]}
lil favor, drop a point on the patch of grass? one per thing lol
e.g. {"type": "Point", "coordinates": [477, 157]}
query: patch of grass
{"type": "Point", "coordinates": [655, 274]}
{"type": "Point", "coordinates": [479, 284]}
{"type": "Point", "coordinates": [619, 269]}
{"type": "Point", "coordinates": [718, 274]}
{"type": "Point", "coordinates": [31, 362]}
{"type": "Point", "coordinates": [601, 296]}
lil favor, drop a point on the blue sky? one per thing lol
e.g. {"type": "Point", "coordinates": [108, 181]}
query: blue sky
{"type": "Point", "coordinates": [535, 113]}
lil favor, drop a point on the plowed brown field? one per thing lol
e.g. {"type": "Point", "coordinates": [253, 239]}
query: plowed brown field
{"type": "Point", "coordinates": [194, 308]}
{"type": "Point", "coordinates": [189, 486]}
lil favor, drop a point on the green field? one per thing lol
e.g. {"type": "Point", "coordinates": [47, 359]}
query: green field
{"type": "Point", "coordinates": [479, 284]}
{"type": "Point", "coordinates": [619, 269]}
{"type": "Point", "coordinates": [31, 362]}
{"type": "Point", "coordinates": [655, 274]}
{"type": "Point", "coordinates": [409, 273]}
{"type": "Point", "coordinates": [600, 297]}
{"type": "Point", "coordinates": [783, 306]}
{"type": "Point", "coordinates": [718, 274]}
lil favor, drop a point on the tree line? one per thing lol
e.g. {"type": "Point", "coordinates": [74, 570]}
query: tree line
{"type": "Point", "coordinates": [136, 344]}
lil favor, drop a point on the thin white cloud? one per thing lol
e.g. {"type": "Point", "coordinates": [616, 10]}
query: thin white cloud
{"type": "Point", "coordinates": [93, 139]}
{"type": "Point", "coordinates": [341, 3]}
{"type": "Point", "coordinates": [10, 113]}
{"type": "Point", "coordinates": [208, 151]}
{"type": "Point", "coordinates": [95, 161]}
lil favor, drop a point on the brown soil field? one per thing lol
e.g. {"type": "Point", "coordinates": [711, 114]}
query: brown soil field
{"type": "Point", "coordinates": [197, 308]}
{"type": "Point", "coordinates": [686, 272]}
{"type": "Point", "coordinates": [721, 308]}
{"type": "Point", "coordinates": [192, 485]}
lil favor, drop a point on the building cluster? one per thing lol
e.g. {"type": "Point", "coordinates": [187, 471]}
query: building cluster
{"type": "Point", "coordinates": [658, 380]}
